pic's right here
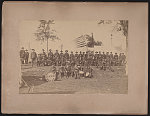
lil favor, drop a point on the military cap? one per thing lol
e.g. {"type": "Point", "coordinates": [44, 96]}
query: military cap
{"type": "Point", "coordinates": [22, 48]}
{"type": "Point", "coordinates": [96, 52]}
{"type": "Point", "coordinates": [66, 51]}
{"type": "Point", "coordinates": [43, 49]}
{"type": "Point", "coordinates": [71, 51]}
{"type": "Point", "coordinates": [61, 51]}
{"type": "Point", "coordinates": [50, 50]}
{"type": "Point", "coordinates": [76, 52]}
{"type": "Point", "coordinates": [26, 50]}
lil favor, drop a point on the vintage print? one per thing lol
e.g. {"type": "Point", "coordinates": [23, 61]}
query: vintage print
{"type": "Point", "coordinates": [73, 57]}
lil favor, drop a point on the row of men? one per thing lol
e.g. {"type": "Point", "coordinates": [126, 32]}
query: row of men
{"type": "Point", "coordinates": [76, 71]}
{"type": "Point", "coordinates": [83, 58]}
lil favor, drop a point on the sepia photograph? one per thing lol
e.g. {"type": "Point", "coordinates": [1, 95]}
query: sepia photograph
{"type": "Point", "coordinates": [74, 58]}
{"type": "Point", "coordinates": [69, 57]}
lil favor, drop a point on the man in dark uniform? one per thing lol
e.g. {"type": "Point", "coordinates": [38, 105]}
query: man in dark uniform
{"type": "Point", "coordinates": [111, 58]}
{"type": "Point", "coordinates": [33, 56]}
{"type": "Point", "coordinates": [80, 58]}
{"type": "Point", "coordinates": [83, 59]}
{"type": "Point", "coordinates": [39, 60]}
{"type": "Point", "coordinates": [62, 71]}
{"type": "Point", "coordinates": [56, 58]}
{"type": "Point", "coordinates": [22, 55]}
{"type": "Point", "coordinates": [116, 59]}
{"type": "Point", "coordinates": [103, 55]}
{"type": "Point", "coordinates": [99, 59]}
{"type": "Point", "coordinates": [44, 57]}
{"type": "Point", "coordinates": [120, 59]}
{"type": "Point", "coordinates": [61, 57]}
{"type": "Point", "coordinates": [66, 55]}
{"type": "Point", "coordinates": [68, 70]}
{"type": "Point", "coordinates": [96, 55]}
{"type": "Point", "coordinates": [76, 58]}
{"type": "Point", "coordinates": [26, 56]}
{"type": "Point", "coordinates": [50, 57]}
{"type": "Point", "coordinates": [108, 60]}
{"type": "Point", "coordinates": [72, 59]}
{"type": "Point", "coordinates": [123, 59]}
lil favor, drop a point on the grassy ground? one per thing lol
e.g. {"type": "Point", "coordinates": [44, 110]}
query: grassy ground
{"type": "Point", "coordinates": [102, 82]}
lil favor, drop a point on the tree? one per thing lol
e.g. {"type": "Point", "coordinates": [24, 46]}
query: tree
{"type": "Point", "coordinates": [43, 32]}
{"type": "Point", "coordinates": [121, 25]}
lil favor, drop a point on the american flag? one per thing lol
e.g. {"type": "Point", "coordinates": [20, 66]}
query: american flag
{"type": "Point", "coordinates": [81, 41]}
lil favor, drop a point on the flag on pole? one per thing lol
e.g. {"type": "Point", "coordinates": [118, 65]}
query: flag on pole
{"type": "Point", "coordinates": [87, 40]}
{"type": "Point", "coordinates": [81, 41]}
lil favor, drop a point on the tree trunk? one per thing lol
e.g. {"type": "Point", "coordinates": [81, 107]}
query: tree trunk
{"type": "Point", "coordinates": [47, 45]}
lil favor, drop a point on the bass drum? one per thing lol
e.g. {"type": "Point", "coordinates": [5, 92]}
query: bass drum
{"type": "Point", "coordinates": [50, 76]}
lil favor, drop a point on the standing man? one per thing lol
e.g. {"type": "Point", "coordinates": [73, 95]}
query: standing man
{"type": "Point", "coordinates": [44, 56]}
{"type": "Point", "coordinates": [111, 58]}
{"type": "Point", "coordinates": [76, 58]}
{"type": "Point", "coordinates": [26, 56]}
{"type": "Point", "coordinates": [72, 58]}
{"type": "Point", "coordinates": [50, 57]}
{"type": "Point", "coordinates": [116, 59]}
{"type": "Point", "coordinates": [33, 56]}
{"type": "Point", "coordinates": [96, 59]}
{"type": "Point", "coordinates": [56, 58]}
{"type": "Point", "coordinates": [123, 59]}
{"type": "Point", "coordinates": [22, 55]}
{"type": "Point", "coordinates": [80, 58]}
{"type": "Point", "coordinates": [120, 59]}
{"type": "Point", "coordinates": [66, 55]}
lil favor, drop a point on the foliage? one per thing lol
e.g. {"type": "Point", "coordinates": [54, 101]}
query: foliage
{"type": "Point", "coordinates": [43, 32]}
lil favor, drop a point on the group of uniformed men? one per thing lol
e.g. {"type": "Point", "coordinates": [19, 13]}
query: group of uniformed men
{"type": "Point", "coordinates": [83, 60]}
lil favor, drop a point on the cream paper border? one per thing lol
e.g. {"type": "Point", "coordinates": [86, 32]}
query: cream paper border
{"type": "Point", "coordinates": [135, 102]}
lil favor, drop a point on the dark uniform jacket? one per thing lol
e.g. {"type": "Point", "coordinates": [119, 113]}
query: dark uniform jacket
{"type": "Point", "coordinates": [33, 55]}
{"type": "Point", "coordinates": [22, 53]}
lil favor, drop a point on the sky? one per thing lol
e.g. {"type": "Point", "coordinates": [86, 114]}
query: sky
{"type": "Point", "coordinates": [68, 31]}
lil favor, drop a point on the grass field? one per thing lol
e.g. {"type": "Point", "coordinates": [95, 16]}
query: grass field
{"type": "Point", "coordinates": [102, 82]}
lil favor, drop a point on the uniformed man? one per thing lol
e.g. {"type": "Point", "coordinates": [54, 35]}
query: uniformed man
{"type": "Point", "coordinates": [111, 58]}
{"type": "Point", "coordinates": [76, 58]}
{"type": "Point", "coordinates": [103, 55]}
{"type": "Point", "coordinates": [33, 57]}
{"type": "Point", "coordinates": [99, 60]}
{"type": "Point", "coordinates": [50, 58]}
{"type": "Point", "coordinates": [123, 59]}
{"type": "Point", "coordinates": [39, 60]}
{"type": "Point", "coordinates": [116, 59]}
{"type": "Point", "coordinates": [44, 57]}
{"type": "Point", "coordinates": [62, 71]}
{"type": "Point", "coordinates": [68, 70]}
{"type": "Point", "coordinates": [120, 59]}
{"type": "Point", "coordinates": [72, 59]}
{"type": "Point", "coordinates": [61, 57]}
{"type": "Point", "coordinates": [26, 56]}
{"type": "Point", "coordinates": [96, 55]}
{"type": "Point", "coordinates": [80, 58]}
{"type": "Point", "coordinates": [108, 64]}
{"type": "Point", "coordinates": [22, 55]}
{"type": "Point", "coordinates": [56, 58]}
{"type": "Point", "coordinates": [66, 55]}
{"type": "Point", "coordinates": [83, 59]}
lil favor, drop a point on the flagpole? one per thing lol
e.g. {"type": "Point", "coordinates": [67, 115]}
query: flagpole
{"type": "Point", "coordinates": [111, 41]}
